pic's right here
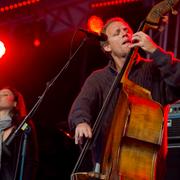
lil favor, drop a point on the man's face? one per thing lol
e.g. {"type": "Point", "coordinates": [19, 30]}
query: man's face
{"type": "Point", "coordinates": [119, 38]}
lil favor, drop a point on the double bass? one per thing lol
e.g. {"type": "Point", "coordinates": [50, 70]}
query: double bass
{"type": "Point", "coordinates": [132, 149]}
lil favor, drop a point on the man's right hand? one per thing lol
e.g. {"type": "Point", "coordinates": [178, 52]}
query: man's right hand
{"type": "Point", "coordinates": [82, 130]}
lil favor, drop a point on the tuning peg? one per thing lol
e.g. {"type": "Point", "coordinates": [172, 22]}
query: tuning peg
{"type": "Point", "coordinates": [165, 19]}
{"type": "Point", "coordinates": [174, 12]}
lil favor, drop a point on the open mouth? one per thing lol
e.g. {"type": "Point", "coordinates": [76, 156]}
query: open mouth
{"type": "Point", "coordinates": [126, 42]}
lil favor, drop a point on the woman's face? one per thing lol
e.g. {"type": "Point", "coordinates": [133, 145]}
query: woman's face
{"type": "Point", "coordinates": [7, 99]}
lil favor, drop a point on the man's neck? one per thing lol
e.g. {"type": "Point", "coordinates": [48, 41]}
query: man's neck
{"type": "Point", "coordinates": [119, 62]}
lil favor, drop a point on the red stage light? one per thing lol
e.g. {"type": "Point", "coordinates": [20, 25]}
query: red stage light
{"type": "Point", "coordinates": [15, 6]}
{"type": "Point", "coordinates": [112, 3]}
{"type": "Point", "coordinates": [2, 49]}
{"type": "Point", "coordinates": [37, 42]}
{"type": "Point", "coordinates": [11, 7]}
{"type": "Point", "coordinates": [95, 24]}
{"type": "Point", "coordinates": [18, 5]}
{"type": "Point", "coordinates": [24, 3]}
{"type": "Point", "coordinates": [2, 9]}
{"type": "Point", "coordinates": [6, 8]}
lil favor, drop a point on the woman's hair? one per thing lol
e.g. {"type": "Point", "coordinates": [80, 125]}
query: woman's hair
{"type": "Point", "coordinates": [19, 111]}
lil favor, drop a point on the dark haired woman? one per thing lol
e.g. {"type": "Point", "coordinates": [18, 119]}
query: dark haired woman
{"type": "Point", "coordinates": [12, 112]}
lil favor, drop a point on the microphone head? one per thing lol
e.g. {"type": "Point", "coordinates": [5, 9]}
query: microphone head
{"type": "Point", "coordinates": [94, 35]}
{"type": "Point", "coordinates": [103, 37]}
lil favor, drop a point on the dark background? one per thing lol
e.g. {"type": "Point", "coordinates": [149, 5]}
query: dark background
{"type": "Point", "coordinates": [30, 68]}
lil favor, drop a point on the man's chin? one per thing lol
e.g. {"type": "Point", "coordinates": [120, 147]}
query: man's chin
{"type": "Point", "coordinates": [125, 54]}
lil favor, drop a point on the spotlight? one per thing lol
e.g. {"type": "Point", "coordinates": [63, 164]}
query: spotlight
{"type": "Point", "coordinates": [2, 49]}
{"type": "Point", "coordinates": [95, 24]}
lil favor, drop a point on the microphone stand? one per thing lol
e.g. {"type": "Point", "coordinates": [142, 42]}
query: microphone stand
{"type": "Point", "coordinates": [23, 125]}
{"type": "Point", "coordinates": [23, 152]}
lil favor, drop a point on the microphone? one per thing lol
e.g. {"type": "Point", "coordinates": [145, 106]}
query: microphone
{"type": "Point", "coordinates": [94, 35]}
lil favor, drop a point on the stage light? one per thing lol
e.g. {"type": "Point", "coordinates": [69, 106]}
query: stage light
{"type": "Point", "coordinates": [95, 24]}
{"type": "Point", "coordinates": [2, 49]}
{"type": "Point", "coordinates": [18, 5]}
{"type": "Point", "coordinates": [112, 3]}
{"type": "Point", "coordinates": [37, 42]}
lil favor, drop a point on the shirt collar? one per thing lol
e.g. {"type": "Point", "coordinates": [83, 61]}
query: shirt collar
{"type": "Point", "coordinates": [112, 65]}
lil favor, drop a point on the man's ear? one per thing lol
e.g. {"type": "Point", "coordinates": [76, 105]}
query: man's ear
{"type": "Point", "coordinates": [107, 47]}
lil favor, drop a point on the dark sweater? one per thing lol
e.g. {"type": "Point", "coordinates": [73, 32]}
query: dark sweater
{"type": "Point", "coordinates": [161, 77]}
{"type": "Point", "coordinates": [10, 157]}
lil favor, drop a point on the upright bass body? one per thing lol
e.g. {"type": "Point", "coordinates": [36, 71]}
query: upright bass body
{"type": "Point", "coordinates": [135, 136]}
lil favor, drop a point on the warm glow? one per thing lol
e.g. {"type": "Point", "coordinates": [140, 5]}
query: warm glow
{"type": "Point", "coordinates": [2, 49]}
{"type": "Point", "coordinates": [95, 24]}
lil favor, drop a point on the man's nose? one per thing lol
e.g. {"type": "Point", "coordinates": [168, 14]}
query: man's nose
{"type": "Point", "coordinates": [125, 32]}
